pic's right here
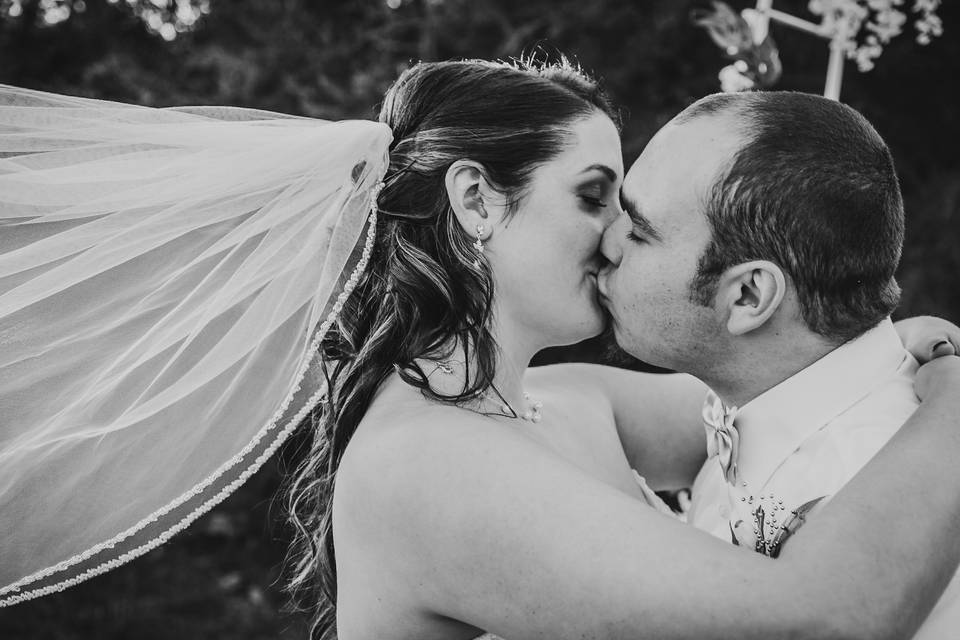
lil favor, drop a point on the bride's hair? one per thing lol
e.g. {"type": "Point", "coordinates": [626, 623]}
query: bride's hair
{"type": "Point", "coordinates": [421, 295]}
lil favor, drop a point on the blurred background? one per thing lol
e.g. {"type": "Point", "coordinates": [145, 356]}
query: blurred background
{"type": "Point", "coordinates": [334, 59]}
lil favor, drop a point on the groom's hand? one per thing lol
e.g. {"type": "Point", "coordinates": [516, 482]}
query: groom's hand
{"type": "Point", "coordinates": [928, 337]}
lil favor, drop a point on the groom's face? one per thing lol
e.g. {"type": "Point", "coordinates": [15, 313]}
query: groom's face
{"type": "Point", "coordinates": [655, 245]}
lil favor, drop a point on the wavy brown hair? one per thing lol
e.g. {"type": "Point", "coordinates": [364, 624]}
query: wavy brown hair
{"type": "Point", "coordinates": [421, 295]}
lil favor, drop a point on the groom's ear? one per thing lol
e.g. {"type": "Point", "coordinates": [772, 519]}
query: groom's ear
{"type": "Point", "coordinates": [749, 294]}
{"type": "Point", "coordinates": [474, 202]}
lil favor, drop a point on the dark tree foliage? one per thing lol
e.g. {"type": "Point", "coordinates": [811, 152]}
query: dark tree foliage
{"type": "Point", "coordinates": [333, 59]}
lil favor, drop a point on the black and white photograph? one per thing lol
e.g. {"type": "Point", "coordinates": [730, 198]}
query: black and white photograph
{"type": "Point", "coordinates": [479, 320]}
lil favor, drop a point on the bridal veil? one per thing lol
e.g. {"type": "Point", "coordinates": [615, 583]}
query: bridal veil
{"type": "Point", "coordinates": [165, 275]}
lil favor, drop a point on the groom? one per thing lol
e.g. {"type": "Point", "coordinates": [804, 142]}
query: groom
{"type": "Point", "coordinates": [758, 254]}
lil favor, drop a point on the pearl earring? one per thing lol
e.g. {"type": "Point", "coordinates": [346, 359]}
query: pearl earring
{"type": "Point", "coordinates": [478, 245]}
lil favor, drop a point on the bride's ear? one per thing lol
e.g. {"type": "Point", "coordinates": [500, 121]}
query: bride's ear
{"type": "Point", "coordinates": [471, 198]}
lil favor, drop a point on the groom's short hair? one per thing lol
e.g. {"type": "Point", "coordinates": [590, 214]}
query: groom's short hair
{"type": "Point", "coordinates": [812, 189]}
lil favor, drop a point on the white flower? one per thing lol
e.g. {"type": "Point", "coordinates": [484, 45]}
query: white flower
{"type": "Point", "coordinates": [732, 81]}
{"type": "Point", "coordinates": [858, 28]}
{"type": "Point", "coordinates": [865, 56]}
{"type": "Point", "coordinates": [882, 20]}
{"type": "Point", "coordinates": [926, 6]}
{"type": "Point", "coordinates": [759, 26]}
{"type": "Point", "coordinates": [929, 26]}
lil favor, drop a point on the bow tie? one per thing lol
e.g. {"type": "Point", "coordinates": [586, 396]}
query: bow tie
{"type": "Point", "coordinates": [723, 440]}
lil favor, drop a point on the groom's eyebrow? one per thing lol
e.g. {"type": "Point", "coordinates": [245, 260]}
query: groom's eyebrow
{"type": "Point", "coordinates": [638, 219]}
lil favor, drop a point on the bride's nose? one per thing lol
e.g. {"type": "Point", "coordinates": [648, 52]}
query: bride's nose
{"type": "Point", "coordinates": [610, 215]}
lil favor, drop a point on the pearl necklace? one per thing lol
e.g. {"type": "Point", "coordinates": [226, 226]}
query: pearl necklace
{"type": "Point", "coordinates": [531, 413]}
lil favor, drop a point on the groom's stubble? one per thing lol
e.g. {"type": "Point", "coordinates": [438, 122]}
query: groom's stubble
{"type": "Point", "coordinates": [655, 249]}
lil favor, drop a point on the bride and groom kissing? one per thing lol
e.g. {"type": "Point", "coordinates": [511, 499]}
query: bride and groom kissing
{"type": "Point", "coordinates": [449, 489]}
{"type": "Point", "coordinates": [752, 243]}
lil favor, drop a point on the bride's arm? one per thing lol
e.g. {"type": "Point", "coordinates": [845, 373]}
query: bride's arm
{"type": "Point", "coordinates": [928, 337]}
{"type": "Point", "coordinates": [480, 524]}
{"type": "Point", "coordinates": [658, 419]}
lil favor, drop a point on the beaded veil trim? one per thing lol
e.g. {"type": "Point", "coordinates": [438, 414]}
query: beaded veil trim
{"type": "Point", "coordinates": [14, 593]}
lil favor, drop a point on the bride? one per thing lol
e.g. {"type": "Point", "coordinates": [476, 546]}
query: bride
{"type": "Point", "coordinates": [179, 288]}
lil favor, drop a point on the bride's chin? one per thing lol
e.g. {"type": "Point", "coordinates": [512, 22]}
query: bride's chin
{"type": "Point", "coordinates": [596, 325]}
{"type": "Point", "coordinates": [582, 319]}
{"type": "Point", "coordinates": [586, 328]}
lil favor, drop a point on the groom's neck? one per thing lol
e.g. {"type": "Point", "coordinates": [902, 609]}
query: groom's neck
{"type": "Point", "coordinates": [755, 364]}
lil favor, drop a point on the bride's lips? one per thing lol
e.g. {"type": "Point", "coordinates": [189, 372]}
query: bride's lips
{"type": "Point", "coordinates": [600, 289]}
{"type": "Point", "coordinates": [594, 279]}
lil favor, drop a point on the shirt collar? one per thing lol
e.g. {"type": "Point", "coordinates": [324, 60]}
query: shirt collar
{"type": "Point", "coordinates": [774, 424]}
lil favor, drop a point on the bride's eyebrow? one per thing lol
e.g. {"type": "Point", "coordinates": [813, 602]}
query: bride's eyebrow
{"type": "Point", "coordinates": [632, 209]}
{"type": "Point", "coordinates": [610, 173]}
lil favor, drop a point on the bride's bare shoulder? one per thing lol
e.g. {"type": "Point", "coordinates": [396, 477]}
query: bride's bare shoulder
{"type": "Point", "coordinates": [571, 385]}
{"type": "Point", "coordinates": [401, 410]}
{"type": "Point", "coordinates": [572, 376]}
{"type": "Point", "coordinates": [408, 438]}
{"type": "Point", "coordinates": [409, 477]}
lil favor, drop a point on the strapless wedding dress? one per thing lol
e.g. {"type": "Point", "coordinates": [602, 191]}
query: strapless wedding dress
{"type": "Point", "coordinates": [651, 499]}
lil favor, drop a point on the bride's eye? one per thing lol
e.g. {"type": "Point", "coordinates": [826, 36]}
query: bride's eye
{"type": "Point", "coordinates": [593, 201]}
{"type": "Point", "coordinates": [632, 237]}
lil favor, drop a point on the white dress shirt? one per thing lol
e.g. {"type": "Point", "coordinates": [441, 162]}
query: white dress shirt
{"type": "Point", "coordinates": [809, 435]}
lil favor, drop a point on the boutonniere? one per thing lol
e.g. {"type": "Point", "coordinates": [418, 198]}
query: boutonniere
{"type": "Point", "coordinates": [769, 524]}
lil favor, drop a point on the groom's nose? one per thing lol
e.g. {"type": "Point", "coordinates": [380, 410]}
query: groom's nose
{"type": "Point", "coordinates": [610, 244]}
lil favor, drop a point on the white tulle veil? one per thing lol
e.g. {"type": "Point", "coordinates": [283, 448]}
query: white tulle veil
{"type": "Point", "coordinates": [165, 275]}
